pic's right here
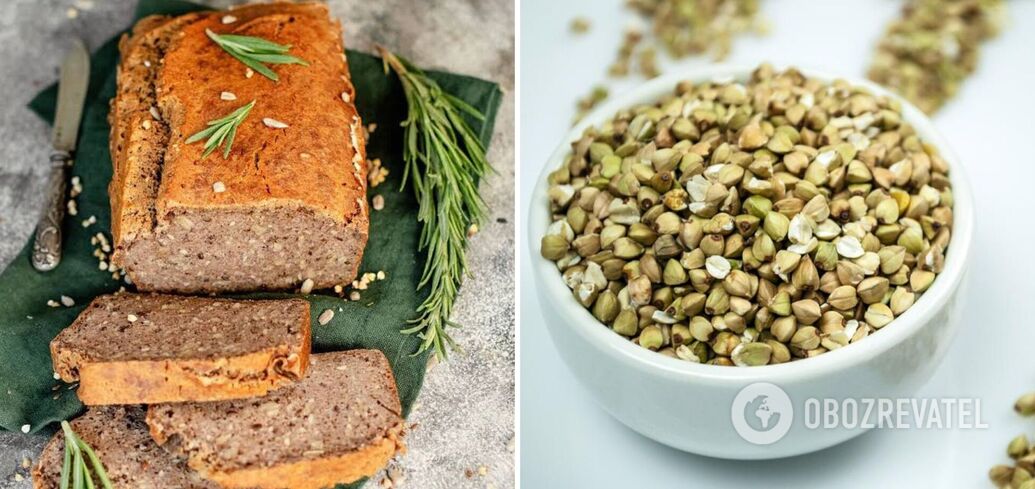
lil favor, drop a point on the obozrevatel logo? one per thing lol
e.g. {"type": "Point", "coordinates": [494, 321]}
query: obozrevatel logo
{"type": "Point", "coordinates": [762, 413]}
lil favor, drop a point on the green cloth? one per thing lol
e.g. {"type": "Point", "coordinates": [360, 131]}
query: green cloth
{"type": "Point", "coordinates": [27, 324]}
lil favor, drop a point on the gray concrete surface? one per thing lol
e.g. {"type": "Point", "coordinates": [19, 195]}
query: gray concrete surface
{"type": "Point", "coordinates": [464, 419]}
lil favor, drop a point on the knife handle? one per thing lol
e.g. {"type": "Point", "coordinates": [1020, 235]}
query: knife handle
{"type": "Point", "coordinates": [46, 248]}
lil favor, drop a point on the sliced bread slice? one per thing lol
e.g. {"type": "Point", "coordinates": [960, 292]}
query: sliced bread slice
{"type": "Point", "coordinates": [144, 349]}
{"type": "Point", "coordinates": [131, 458]}
{"type": "Point", "coordinates": [339, 424]}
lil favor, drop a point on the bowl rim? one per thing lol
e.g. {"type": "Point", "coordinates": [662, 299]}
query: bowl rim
{"type": "Point", "coordinates": [552, 287]}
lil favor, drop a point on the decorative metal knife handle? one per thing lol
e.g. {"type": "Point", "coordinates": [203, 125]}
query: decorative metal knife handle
{"type": "Point", "coordinates": [46, 249]}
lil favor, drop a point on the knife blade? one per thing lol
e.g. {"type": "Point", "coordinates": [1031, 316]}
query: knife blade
{"type": "Point", "coordinates": [72, 85]}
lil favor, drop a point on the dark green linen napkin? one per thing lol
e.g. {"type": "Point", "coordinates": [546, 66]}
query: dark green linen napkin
{"type": "Point", "coordinates": [29, 395]}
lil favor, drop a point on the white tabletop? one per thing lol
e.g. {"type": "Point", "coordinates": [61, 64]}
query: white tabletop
{"type": "Point", "coordinates": [567, 441]}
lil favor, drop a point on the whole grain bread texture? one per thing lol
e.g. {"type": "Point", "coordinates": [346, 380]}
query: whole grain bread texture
{"type": "Point", "coordinates": [118, 434]}
{"type": "Point", "coordinates": [149, 348]}
{"type": "Point", "coordinates": [339, 424]}
{"type": "Point", "coordinates": [288, 204]}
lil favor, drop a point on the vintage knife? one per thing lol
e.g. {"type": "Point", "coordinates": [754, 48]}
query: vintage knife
{"type": "Point", "coordinates": [75, 76]}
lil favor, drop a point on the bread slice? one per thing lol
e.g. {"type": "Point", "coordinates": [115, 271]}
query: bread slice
{"type": "Point", "coordinates": [339, 424]}
{"type": "Point", "coordinates": [288, 204]}
{"type": "Point", "coordinates": [142, 348]}
{"type": "Point", "coordinates": [131, 458]}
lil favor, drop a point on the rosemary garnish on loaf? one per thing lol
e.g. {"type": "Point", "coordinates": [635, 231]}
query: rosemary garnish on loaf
{"type": "Point", "coordinates": [256, 52]}
{"type": "Point", "coordinates": [444, 161]}
{"type": "Point", "coordinates": [222, 131]}
{"type": "Point", "coordinates": [79, 458]}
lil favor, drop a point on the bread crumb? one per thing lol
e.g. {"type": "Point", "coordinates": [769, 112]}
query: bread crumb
{"type": "Point", "coordinates": [354, 296]}
{"type": "Point", "coordinates": [154, 113]}
{"type": "Point", "coordinates": [273, 123]}
{"type": "Point", "coordinates": [132, 318]}
{"type": "Point", "coordinates": [346, 97]}
{"type": "Point", "coordinates": [72, 13]}
{"type": "Point", "coordinates": [218, 187]}
{"type": "Point", "coordinates": [338, 288]}
{"type": "Point", "coordinates": [67, 301]}
{"type": "Point", "coordinates": [57, 376]}
{"type": "Point", "coordinates": [371, 127]}
{"type": "Point", "coordinates": [307, 286]}
{"type": "Point", "coordinates": [248, 73]}
{"type": "Point", "coordinates": [26, 428]}
{"type": "Point", "coordinates": [326, 316]}
{"type": "Point", "coordinates": [229, 19]}
{"type": "Point", "coordinates": [147, 64]}
{"type": "Point", "coordinates": [482, 470]}
{"type": "Point", "coordinates": [227, 96]}
{"type": "Point", "coordinates": [146, 124]}
{"type": "Point", "coordinates": [53, 303]}
{"type": "Point", "coordinates": [472, 230]}
{"type": "Point", "coordinates": [380, 274]}
{"type": "Point", "coordinates": [88, 221]}
{"type": "Point", "coordinates": [72, 208]}
{"type": "Point", "coordinates": [379, 202]}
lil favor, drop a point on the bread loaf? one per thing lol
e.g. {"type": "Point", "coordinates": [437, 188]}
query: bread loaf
{"type": "Point", "coordinates": [136, 348]}
{"type": "Point", "coordinates": [287, 204]}
{"type": "Point", "coordinates": [339, 424]}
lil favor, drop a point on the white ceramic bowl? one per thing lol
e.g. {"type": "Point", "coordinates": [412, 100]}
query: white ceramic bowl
{"type": "Point", "coordinates": [687, 405]}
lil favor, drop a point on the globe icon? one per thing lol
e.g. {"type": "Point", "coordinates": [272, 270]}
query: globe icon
{"type": "Point", "coordinates": [759, 415]}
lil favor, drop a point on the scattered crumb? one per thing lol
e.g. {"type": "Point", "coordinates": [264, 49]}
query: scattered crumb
{"type": "Point", "coordinates": [227, 96]}
{"type": "Point", "coordinates": [229, 19]}
{"type": "Point", "coordinates": [472, 230]}
{"type": "Point", "coordinates": [371, 127]}
{"type": "Point", "coordinates": [154, 113]}
{"type": "Point", "coordinates": [376, 174]}
{"type": "Point", "coordinates": [248, 73]}
{"type": "Point", "coordinates": [326, 316]}
{"type": "Point", "coordinates": [26, 428]}
{"type": "Point", "coordinates": [354, 296]}
{"type": "Point", "coordinates": [67, 301]}
{"type": "Point", "coordinates": [84, 4]}
{"type": "Point", "coordinates": [72, 13]}
{"type": "Point", "coordinates": [483, 470]}
{"type": "Point", "coordinates": [89, 221]}
{"type": "Point", "coordinates": [132, 318]}
{"type": "Point", "coordinates": [378, 202]}
{"type": "Point", "coordinates": [307, 286]}
{"type": "Point", "coordinates": [218, 187]}
{"type": "Point", "coordinates": [56, 376]}
{"type": "Point", "coordinates": [338, 289]}
{"type": "Point", "coordinates": [345, 97]}
{"type": "Point", "coordinates": [53, 303]}
{"type": "Point", "coordinates": [73, 209]}
{"type": "Point", "coordinates": [380, 274]}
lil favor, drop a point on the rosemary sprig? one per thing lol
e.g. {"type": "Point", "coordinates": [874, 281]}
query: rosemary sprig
{"type": "Point", "coordinates": [222, 131]}
{"type": "Point", "coordinates": [79, 458]}
{"type": "Point", "coordinates": [254, 51]}
{"type": "Point", "coordinates": [444, 161]}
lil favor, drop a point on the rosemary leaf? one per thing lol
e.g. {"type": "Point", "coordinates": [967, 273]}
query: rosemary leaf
{"type": "Point", "coordinates": [221, 132]}
{"type": "Point", "coordinates": [66, 468]}
{"type": "Point", "coordinates": [444, 162]}
{"type": "Point", "coordinates": [254, 51]}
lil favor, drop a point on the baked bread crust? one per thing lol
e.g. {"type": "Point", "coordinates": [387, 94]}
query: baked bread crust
{"type": "Point", "coordinates": [339, 424]}
{"type": "Point", "coordinates": [153, 371]}
{"type": "Point", "coordinates": [170, 82]}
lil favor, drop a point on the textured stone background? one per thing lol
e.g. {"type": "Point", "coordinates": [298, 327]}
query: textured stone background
{"type": "Point", "coordinates": [465, 413]}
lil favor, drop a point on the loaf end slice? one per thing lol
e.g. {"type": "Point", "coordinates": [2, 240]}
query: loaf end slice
{"type": "Point", "coordinates": [341, 423]}
{"type": "Point", "coordinates": [148, 348]}
{"type": "Point", "coordinates": [131, 458]}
